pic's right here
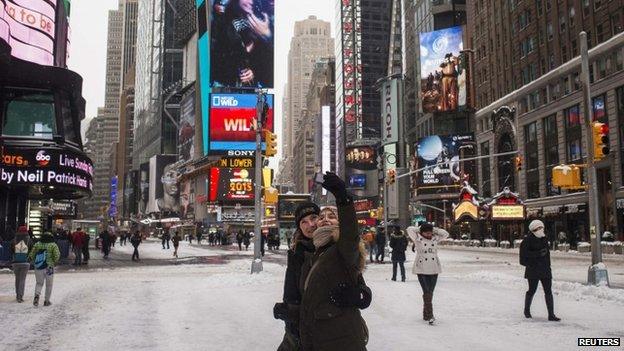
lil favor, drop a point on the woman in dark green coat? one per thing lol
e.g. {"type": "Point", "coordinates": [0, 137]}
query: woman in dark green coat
{"type": "Point", "coordinates": [329, 320]}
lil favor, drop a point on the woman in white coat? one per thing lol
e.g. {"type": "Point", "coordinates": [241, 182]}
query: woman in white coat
{"type": "Point", "coordinates": [427, 265]}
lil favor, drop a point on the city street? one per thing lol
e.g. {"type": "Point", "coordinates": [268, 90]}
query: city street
{"type": "Point", "coordinates": [207, 300]}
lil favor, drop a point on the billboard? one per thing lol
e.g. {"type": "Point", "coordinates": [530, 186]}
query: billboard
{"type": "Point", "coordinates": [287, 204]}
{"type": "Point", "coordinates": [390, 112]}
{"type": "Point", "coordinates": [144, 177]}
{"type": "Point", "coordinates": [361, 157]}
{"type": "Point", "coordinates": [112, 209]}
{"type": "Point", "coordinates": [36, 31]}
{"type": "Point", "coordinates": [443, 70]}
{"type": "Point", "coordinates": [46, 166]}
{"type": "Point", "coordinates": [163, 185]}
{"type": "Point", "coordinates": [231, 120]}
{"type": "Point", "coordinates": [242, 43]}
{"type": "Point", "coordinates": [186, 135]}
{"type": "Point", "coordinates": [442, 155]}
{"type": "Point", "coordinates": [231, 184]}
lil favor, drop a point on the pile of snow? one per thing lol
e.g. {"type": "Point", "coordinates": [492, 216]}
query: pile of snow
{"type": "Point", "coordinates": [572, 290]}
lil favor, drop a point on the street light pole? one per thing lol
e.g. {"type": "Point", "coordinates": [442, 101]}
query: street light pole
{"type": "Point", "coordinates": [256, 265]}
{"type": "Point", "coordinates": [597, 274]}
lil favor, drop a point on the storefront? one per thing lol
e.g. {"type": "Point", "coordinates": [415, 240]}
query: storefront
{"type": "Point", "coordinates": [40, 147]}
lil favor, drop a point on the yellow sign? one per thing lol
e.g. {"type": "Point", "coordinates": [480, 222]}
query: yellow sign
{"type": "Point", "coordinates": [508, 212]}
{"type": "Point", "coordinates": [466, 208]}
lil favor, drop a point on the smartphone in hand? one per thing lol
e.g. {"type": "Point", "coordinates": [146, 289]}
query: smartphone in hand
{"type": "Point", "coordinates": [319, 178]}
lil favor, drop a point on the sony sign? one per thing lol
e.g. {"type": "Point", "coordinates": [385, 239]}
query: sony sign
{"type": "Point", "coordinates": [390, 111]}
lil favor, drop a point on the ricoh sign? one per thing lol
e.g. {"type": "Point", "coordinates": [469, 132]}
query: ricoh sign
{"type": "Point", "coordinates": [390, 112]}
{"type": "Point", "coordinates": [52, 167]}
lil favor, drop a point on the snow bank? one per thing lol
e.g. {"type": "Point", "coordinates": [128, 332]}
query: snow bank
{"type": "Point", "coordinates": [572, 290]}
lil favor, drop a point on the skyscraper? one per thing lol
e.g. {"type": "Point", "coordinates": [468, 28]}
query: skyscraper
{"type": "Point", "coordinates": [311, 41]}
{"type": "Point", "coordinates": [108, 116]}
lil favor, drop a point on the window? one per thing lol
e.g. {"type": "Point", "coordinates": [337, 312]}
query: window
{"type": "Point", "coordinates": [599, 109]}
{"type": "Point", "coordinates": [573, 134]}
{"type": "Point", "coordinates": [620, 116]}
{"type": "Point", "coordinates": [29, 114]}
{"type": "Point", "coordinates": [549, 30]}
{"type": "Point", "coordinates": [551, 141]}
{"type": "Point", "coordinates": [531, 157]}
{"type": "Point", "coordinates": [486, 187]}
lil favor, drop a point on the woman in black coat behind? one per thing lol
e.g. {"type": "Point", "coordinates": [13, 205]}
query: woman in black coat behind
{"type": "Point", "coordinates": [535, 256]}
{"type": "Point", "coordinates": [398, 243]}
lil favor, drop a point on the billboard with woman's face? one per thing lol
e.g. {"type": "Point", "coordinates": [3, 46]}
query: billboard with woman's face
{"type": "Point", "coordinates": [242, 43]}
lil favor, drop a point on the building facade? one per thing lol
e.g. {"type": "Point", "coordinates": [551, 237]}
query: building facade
{"type": "Point", "coordinates": [311, 41]}
{"type": "Point", "coordinates": [533, 67]}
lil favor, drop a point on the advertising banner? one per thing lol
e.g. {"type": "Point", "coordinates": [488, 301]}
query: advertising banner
{"type": "Point", "coordinates": [242, 43]}
{"type": "Point", "coordinates": [443, 154]}
{"type": "Point", "coordinates": [443, 70]}
{"type": "Point", "coordinates": [144, 183]}
{"type": "Point", "coordinates": [508, 212]}
{"type": "Point", "coordinates": [63, 209]}
{"type": "Point", "coordinates": [163, 185]}
{"type": "Point", "coordinates": [186, 135]}
{"type": "Point", "coordinates": [187, 207]}
{"type": "Point", "coordinates": [231, 184]}
{"type": "Point", "coordinates": [130, 195]}
{"type": "Point", "coordinates": [45, 166]}
{"type": "Point", "coordinates": [112, 208]}
{"type": "Point", "coordinates": [362, 158]}
{"type": "Point", "coordinates": [390, 112]}
{"type": "Point", "coordinates": [36, 30]}
{"type": "Point", "coordinates": [231, 122]}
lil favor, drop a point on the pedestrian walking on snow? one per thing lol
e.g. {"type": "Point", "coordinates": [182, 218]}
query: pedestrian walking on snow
{"type": "Point", "coordinates": [78, 239]}
{"type": "Point", "coordinates": [380, 243]}
{"type": "Point", "coordinates": [535, 256]}
{"type": "Point", "coordinates": [427, 264]}
{"type": "Point", "coordinates": [330, 317]}
{"type": "Point", "coordinates": [105, 239]}
{"type": "Point", "coordinates": [19, 249]}
{"type": "Point", "coordinates": [85, 249]}
{"type": "Point", "coordinates": [398, 243]}
{"type": "Point", "coordinates": [239, 240]}
{"type": "Point", "coordinates": [247, 240]}
{"type": "Point", "coordinates": [136, 241]}
{"type": "Point", "coordinates": [45, 255]}
{"type": "Point", "coordinates": [176, 243]}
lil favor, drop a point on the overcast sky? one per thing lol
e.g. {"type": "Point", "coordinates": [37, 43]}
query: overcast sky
{"type": "Point", "coordinates": [89, 20]}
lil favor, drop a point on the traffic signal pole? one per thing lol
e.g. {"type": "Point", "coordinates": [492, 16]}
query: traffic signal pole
{"type": "Point", "coordinates": [597, 274]}
{"type": "Point", "coordinates": [256, 265]}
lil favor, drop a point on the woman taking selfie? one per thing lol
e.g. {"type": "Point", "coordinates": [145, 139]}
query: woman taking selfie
{"type": "Point", "coordinates": [330, 315]}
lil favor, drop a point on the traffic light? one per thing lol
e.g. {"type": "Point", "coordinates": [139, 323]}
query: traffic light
{"type": "Point", "coordinates": [518, 163]}
{"type": "Point", "coordinates": [271, 143]}
{"type": "Point", "coordinates": [391, 176]}
{"type": "Point", "coordinates": [601, 140]}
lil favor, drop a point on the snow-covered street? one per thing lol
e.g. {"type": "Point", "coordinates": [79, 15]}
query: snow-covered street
{"type": "Point", "coordinates": [207, 300]}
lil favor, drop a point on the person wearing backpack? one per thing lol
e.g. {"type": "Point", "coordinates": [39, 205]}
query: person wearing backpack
{"type": "Point", "coordinates": [45, 254]}
{"type": "Point", "coordinates": [19, 248]}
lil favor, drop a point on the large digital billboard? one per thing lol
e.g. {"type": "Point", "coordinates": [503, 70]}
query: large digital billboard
{"type": "Point", "coordinates": [36, 30]}
{"type": "Point", "coordinates": [442, 154]}
{"type": "Point", "coordinates": [231, 184]}
{"type": "Point", "coordinates": [164, 193]}
{"type": "Point", "coordinates": [186, 136]}
{"type": "Point", "coordinates": [242, 43]}
{"type": "Point", "coordinates": [231, 120]}
{"type": "Point", "coordinates": [442, 70]}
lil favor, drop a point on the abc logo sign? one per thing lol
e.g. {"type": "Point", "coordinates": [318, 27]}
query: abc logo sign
{"type": "Point", "coordinates": [42, 158]}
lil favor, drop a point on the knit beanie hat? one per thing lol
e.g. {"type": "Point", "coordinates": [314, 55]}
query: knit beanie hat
{"type": "Point", "coordinates": [535, 224]}
{"type": "Point", "coordinates": [304, 210]}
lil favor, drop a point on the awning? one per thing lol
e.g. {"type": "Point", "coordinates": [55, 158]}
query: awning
{"type": "Point", "coordinates": [576, 208]}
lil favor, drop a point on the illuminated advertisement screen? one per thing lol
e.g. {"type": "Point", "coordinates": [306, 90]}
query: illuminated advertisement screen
{"type": "Point", "coordinates": [231, 120]}
{"type": "Point", "coordinates": [442, 154]}
{"type": "Point", "coordinates": [443, 70]}
{"type": "Point", "coordinates": [357, 181]}
{"type": "Point", "coordinates": [45, 166]}
{"type": "Point", "coordinates": [242, 43]}
{"type": "Point", "coordinates": [29, 27]}
{"type": "Point", "coordinates": [231, 184]}
{"type": "Point", "coordinates": [362, 158]}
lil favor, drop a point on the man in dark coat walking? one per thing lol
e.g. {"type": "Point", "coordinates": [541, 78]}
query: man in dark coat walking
{"type": "Point", "coordinates": [136, 241]}
{"type": "Point", "coordinates": [398, 243]}
{"type": "Point", "coordinates": [535, 256]}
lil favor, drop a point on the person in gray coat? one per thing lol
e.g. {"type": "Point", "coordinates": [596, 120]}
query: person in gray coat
{"type": "Point", "coordinates": [20, 247]}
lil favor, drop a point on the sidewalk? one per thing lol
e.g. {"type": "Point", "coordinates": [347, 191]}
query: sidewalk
{"type": "Point", "coordinates": [573, 255]}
